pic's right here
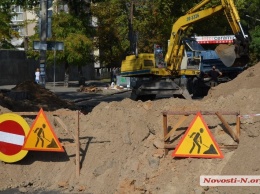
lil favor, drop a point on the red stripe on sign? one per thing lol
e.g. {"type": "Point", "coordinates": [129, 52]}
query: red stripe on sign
{"type": "Point", "coordinates": [215, 42]}
{"type": "Point", "coordinates": [9, 149]}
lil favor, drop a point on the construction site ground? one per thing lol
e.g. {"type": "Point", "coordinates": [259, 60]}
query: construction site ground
{"type": "Point", "coordinates": [119, 150]}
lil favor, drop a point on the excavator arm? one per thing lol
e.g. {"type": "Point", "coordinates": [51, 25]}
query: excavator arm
{"type": "Point", "coordinates": [238, 53]}
{"type": "Point", "coordinates": [175, 50]}
{"type": "Point", "coordinates": [180, 74]}
{"type": "Point", "coordinates": [232, 16]}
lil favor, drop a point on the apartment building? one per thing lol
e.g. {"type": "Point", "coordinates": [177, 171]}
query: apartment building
{"type": "Point", "coordinates": [24, 22]}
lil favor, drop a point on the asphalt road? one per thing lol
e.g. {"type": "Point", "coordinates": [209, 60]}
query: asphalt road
{"type": "Point", "coordinates": [84, 100]}
{"type": "Point", "coordinates": [87, 101]}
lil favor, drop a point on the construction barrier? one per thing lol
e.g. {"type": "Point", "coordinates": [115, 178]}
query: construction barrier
{"type": "Point", "coordinates": [56, 115]}
{"type": "Point", "coordinates": [183, 115]}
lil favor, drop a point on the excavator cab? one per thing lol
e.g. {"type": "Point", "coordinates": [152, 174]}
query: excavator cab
{"type": "Point", "coordinates": [192, 54]}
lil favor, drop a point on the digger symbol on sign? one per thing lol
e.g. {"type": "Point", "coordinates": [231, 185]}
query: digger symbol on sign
{"type": "Point", "coordinates": [41, 136]}
{"type": "Point", "coordinates": [195, 140]}
{"type": "Point", "coordinates": [197, 137]}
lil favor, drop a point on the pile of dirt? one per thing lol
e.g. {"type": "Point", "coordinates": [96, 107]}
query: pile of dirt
{"type": "Point", "coordinates": [248, 79]}
{"type": "Point", "coordinates": [29, 96]}
{"type": "Point", "coordinates": [118, 152]}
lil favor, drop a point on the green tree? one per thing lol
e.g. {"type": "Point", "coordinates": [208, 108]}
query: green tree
{"type": "Point", "coordinates": [112, 31]}
{"type": "Point", "coordinates": [6, 32]}
{"type": "Point", "coordinates": [28, 4]}
{"type": "Point", "coordinates": [152, 21]}
{"type": "Point", "coordinates": [255, 45]}
{"type": "Point", "coordinates": [73, 29]}
{"type": "Point", "coordinates": [6, 14]}
{"type": "Point", "coordinates": [252, 20]}
{"type": "Point", "coordinates": [77, 43]}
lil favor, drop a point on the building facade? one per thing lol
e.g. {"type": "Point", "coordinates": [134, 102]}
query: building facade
{"type": "Point", "coordinates": [23, 22]}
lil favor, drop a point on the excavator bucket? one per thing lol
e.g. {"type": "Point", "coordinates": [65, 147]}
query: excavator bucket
{"type": "Point", "coordinates": [226, 54]}
{"type": "Point", "coordinates": [235, 55]}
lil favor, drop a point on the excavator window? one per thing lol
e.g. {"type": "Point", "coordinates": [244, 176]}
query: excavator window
{"type": "Point", "coordinates": [148, 63]}
{"type": "Point", "coordinates": [193, 45]}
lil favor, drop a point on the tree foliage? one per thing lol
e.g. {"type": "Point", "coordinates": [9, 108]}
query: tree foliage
{"type": "Point", "coordinates": [6, 14]}
{"type": "Point", "coordinates": [77, 42]}
{"type": "Point", "coordinates": [28, 4]}
{"type": "Point", "coordinates": [112, 30]}
{"type": "Point", "coordinates": [251, 20]}
{"type": "Point", "coordinates": [150, 20]}
{"type": "Point", "coordinates": [5, 27]}
{"type": "Point", "coordinates": [153, 21]}
{"type": "Point", "coordinates": [255, 45]}
{"type": "Point", "coordinates": [73, 30]}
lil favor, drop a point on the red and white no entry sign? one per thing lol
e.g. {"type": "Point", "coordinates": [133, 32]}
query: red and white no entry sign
{"type": "Point", "coordinates": [13, 130]}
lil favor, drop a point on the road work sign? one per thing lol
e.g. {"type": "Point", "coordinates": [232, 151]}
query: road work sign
{"type": "Point", "coordinates": [198, 141]}
{"type": "Point", "coordinates": [41, 136]}
{"type": "Point", "coordinates": [13, 130]}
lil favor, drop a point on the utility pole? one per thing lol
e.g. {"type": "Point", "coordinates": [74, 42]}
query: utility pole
{"type": "Point", "coordinates": [43, 43]}
{"type": "Point", "coordinates": [132, 34]}
{"type": "Point", "coordinates": [131, 31]}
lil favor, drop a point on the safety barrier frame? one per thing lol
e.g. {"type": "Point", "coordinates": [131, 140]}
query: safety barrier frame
{"type": "Point", "coordinates": [55, 115]}
{"type": "Point", "coordinates": [184, 115]}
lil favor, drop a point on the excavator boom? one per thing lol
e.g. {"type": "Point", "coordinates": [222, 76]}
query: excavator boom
{"type": "Point", "coordinates": [181, 72]}
{"type": "Point", "coordinates": [237, 55]}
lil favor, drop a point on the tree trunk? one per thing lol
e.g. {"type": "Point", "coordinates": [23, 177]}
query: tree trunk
{"type": "Point", "coordinates": [66, 76]}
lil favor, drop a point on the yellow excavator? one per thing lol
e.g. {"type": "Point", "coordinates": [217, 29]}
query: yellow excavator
{"type": "Point", "coordinates": [180, 72]}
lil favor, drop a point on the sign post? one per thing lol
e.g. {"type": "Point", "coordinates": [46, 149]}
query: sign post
{"type": "Point", "coordinates": [50, 45]}
{"type": "Point", "coordinates": [54, 65]}
{"type": "Point", "coordinates": [55, 46]}
{"type": "Point", "coordinates": [45, 31]}
{"type": "Point", "coordinates": [43, 36]}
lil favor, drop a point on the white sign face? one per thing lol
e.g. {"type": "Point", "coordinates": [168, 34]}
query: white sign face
{"type": "Point", "coordinates": [215, 39]}
{"type": "Point", "coordinates": [50, 45]}
{"type": "Point", "coordinates": [36, 45]}
{"type": "Point", "coordinates": [42, 69]}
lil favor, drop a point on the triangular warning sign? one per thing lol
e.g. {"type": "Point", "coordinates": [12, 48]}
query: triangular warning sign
{"type": "Point", "coordinates": [198, 141]}
{"type": "Point", "coordinates": [41, 136]}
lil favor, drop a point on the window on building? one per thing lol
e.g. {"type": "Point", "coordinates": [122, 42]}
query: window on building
{"type": "Point", "coordinates": [18, 17]}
